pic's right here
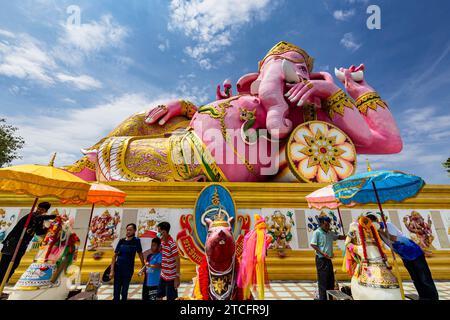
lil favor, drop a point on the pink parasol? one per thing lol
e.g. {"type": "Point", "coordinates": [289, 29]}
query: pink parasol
{"type": "Point", "coordinates": [325, 198]}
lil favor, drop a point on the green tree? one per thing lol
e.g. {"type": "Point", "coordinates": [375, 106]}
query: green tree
{"type": "Point", "coordinates": [446, 165]}
{"type": "Point", "coordinates": [10, 143]}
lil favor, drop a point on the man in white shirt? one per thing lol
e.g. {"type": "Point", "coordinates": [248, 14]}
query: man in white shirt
{"type": "Point", "coordinates": [413, 259]}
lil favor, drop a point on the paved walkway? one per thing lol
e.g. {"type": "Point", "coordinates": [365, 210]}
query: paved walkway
{"type": "Point", "coordinates": [278, 290]}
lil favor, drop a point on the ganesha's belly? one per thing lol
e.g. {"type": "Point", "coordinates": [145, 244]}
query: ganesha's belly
{"type": "Point", "coordinates": [238, 160]}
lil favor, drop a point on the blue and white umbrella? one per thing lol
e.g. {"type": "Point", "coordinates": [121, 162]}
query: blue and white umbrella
{"type": "Point", "coordinates": [379, 187]}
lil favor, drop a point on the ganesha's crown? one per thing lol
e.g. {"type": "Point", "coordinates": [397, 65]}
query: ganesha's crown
{"type": "Point", "coordinates": [283, 47]}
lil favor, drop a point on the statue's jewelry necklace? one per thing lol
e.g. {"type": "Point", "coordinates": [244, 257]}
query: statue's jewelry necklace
{"type": "Point", "coordinates": [221, 280]}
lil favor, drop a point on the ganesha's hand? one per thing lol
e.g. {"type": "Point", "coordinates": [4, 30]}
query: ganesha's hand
{"type": "Point", "coordinates": [321, 85]}
{"type": "Point", "coordinates": [354, 81]}
{"type": "Point", "coordinates": [163, 113]}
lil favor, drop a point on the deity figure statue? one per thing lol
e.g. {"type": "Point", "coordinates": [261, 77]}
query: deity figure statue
{"type": "Point", "coordinates": [5, 223]}
{"type": "Point", "coordinates": [103, 230]}
{"type": "Point", "coordinates": [287, 123]}
{"type": "Point", "coordinates": [52, 273]}
{"type": "Point", "coordinates": [279, 227]}
{"type": "Point", "coordinates": [223, 275]}
{"type": "Point", "coordinates": [53, 234]}
{"type": "Point", "coordinates": [421, 231]}
{"type": "Point", "coordinates": [366, 262]}
{"type": "Point", "coordinates": [230, 257]}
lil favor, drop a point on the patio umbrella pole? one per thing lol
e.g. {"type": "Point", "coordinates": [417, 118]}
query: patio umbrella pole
{"type": "Point", "coordinates": [16, 251]}
{"type": "Point", "coordinates": [389, 239]}
{"type": "Point", "coordinates": [86, 239]}
{"type": "Point", "coordinates": [340, 220]}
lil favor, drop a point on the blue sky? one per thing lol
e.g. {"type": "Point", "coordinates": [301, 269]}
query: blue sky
{"type": "Point", "coordinates": [65, 86]}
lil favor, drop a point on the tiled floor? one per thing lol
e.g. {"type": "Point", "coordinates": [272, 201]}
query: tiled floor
{"type": "Point", "coordinates": [277, 291]}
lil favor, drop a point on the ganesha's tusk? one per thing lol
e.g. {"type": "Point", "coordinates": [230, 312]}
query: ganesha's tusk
{"type": "Point", "coordinates": [290, 75]}
{"type": "Point", "coordinates": [357, 76]}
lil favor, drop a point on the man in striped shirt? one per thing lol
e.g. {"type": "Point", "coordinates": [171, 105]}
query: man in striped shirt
{"type": "Point", "coordinates": [170, 265]}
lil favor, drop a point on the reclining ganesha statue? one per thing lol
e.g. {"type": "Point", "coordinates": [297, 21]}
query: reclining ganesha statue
{"type": "Point", "coordinates": [52, 273]}
{"type": "Point", "coordinates": [287, 123]}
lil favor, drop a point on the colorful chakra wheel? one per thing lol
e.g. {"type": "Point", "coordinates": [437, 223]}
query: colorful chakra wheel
{"type": "Point", "coordinates": [320, 152]}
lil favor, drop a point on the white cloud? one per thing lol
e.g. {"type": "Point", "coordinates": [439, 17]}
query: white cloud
{"type": "Point", "coordinates": [94, 36]}
{"type": "Point", "coordinates": [68, 100]}
{"type": "Point", "coordinates": [417, 85]}
{"type": "Point", "coordinates": [18, 90]}
{"type": "Point", "coordinates": [68, 132]}
{"type": "Point", "coordinates": [164, 45]}
{"type": "Point", "coordinates": [343, 15]}
{"type": "Point", "coordinates": [425, 136]}
{"type": "Point", "coordinates": [425, 122]}
{"type": "Point", "coordinates": [82, 82]}
{"type": "Point", "coordinates": [211, 25]}
{"type": "Point", "coordinates": [349, 41]}
{"type": "Point", "coordinates": [26, 58]}
{"type": "Point", "coordinates": [358, 1]}
{"type": "Point", "coordinates": [6, 34]}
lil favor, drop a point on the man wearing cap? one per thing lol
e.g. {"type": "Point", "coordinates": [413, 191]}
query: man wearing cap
{"type": "Point", "coordinates": [322, 242]}
{"type": "Point", "coordinates": [35, 227]}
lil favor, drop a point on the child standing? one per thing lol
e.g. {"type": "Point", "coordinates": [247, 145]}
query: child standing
{"type": "Point", "coordinates": [153, 271]}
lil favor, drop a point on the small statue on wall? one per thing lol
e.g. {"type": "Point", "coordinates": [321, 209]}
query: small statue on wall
{"type": "Point", "coordinates": [280, 228]}
{"type": "Point", "coordinates": [103, 230]}
{"type": "Point", "coordinates": [421, 231]}
{"type": "Point", "coordinates": [5, 223]}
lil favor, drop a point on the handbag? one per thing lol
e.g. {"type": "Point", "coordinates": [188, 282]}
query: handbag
{"type": "Point", "coordinates": [106, 275]}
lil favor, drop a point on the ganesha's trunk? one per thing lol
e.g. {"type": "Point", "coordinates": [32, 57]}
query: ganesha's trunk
{"type": "Point", "coordinates": [277, 123]}
{"type": "Point", "coordinates": [271, 94]}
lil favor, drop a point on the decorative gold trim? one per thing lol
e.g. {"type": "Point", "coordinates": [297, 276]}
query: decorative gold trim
{"type": "Point", "coordinates": [309, 112]}
{"type": "Point", "coordinates": [80, 165]}
{"type": "Point", "coordinates": [219, 113]}
{"type": "Point", "coordinates": [206, 160]}
{"type": "Point", "coordinates": [247, 195]}
{"type": "Point", "coordinates": [188, 109]}
{"type": "Point", "coordinates": [337, 103]}
{"type": "Point", "coordinates": [370, 100]}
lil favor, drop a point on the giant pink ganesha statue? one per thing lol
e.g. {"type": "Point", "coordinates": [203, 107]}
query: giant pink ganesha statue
{"type": "Point", "coordinates": [287, 123]}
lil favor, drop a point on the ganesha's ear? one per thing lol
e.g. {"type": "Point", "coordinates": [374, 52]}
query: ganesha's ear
{"type": "Point", "coordinates": [208, 222]}
{"type": "Point", "coordinates": [290, 75]}
{"type": "Point", "coordinates": [245, 83]}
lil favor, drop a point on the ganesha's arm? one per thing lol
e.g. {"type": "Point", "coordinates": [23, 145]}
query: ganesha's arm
{"type": "Point", "coordinates": [386, 137]}
{"type": "Point", "coordinates": [368, 122]}
{"type": "Point", "coordinates": [164, 112]}
{"type": "Point", "coordinates": [343, 113]}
